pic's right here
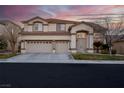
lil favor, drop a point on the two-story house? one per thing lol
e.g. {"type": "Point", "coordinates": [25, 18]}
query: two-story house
{"type": "Point", "coordinates": [56, 36]}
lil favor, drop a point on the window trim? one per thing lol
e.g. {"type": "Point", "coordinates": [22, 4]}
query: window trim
{"type": "Point", "coordinates": [38, 26]}
{"type": "Point", "coordinates": [58, 27]}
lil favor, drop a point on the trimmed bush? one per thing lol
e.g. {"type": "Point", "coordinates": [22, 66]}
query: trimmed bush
{"type": "Point", "coordinates": [114, 51]}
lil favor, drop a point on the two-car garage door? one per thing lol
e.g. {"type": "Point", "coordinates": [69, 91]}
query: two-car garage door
{"type": "Point", "coordinates": [47, 46]}
{"type": "Point", "coordinates": [38, 47]}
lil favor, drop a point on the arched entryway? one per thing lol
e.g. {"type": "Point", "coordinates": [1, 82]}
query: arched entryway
{"type": "Point", "coordinates": [81, 41]}
{"type": "Point", "coordinates": [81, 38]}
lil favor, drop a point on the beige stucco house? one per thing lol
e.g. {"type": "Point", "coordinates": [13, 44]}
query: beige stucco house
{"type": "Point", "coordinates": [56, 36]}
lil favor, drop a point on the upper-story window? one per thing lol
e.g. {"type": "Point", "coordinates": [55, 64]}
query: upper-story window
{"type": "Point", "coordinates": [61, 27]}
{"type": "Point", "coordinates": [38, 27]}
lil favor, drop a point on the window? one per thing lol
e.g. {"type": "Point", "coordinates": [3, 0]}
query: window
{"type": "Point", "coordinates": [38, 27]}
{"type": "Point", "coordinates": [81, 35]}
{"type": "Point", "coordinates": [61, 27]}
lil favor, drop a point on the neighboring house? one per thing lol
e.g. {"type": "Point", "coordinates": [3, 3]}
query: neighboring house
{"type": "Point", "coordinates": [119, 46]}
{"type": "Point", "coordinates": [55, 35]}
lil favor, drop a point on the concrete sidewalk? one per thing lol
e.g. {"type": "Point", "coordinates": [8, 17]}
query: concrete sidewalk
{"type": "Point", "coordinates": [67, 61]}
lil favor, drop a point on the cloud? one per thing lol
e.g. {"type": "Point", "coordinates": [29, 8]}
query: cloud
{"type": "Point", "coordinates": [24, 12]}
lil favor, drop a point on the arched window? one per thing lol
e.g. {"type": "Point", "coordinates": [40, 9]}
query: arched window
{"type": "Point", "coordinates": [81, 35]}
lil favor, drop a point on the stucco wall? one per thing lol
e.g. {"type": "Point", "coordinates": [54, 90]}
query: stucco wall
{"type": "Point", "coordinates": [73, 41]}
{"type": "Point", "coordinates": [28, 27]}
{"type": "Point", "coordinates": [119, 47]}
{"type": "Point", "coordinates": [52, 27]}
{"type": "Point", "coordinates": [47, 27]}
{"type": "Point", "coordinates": [82, 27]}
{"type": "Point", "coordinates": [31, 37]}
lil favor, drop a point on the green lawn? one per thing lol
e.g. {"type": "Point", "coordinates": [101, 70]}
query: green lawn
{"type": "Point", "coordinates": [4, 56]}
{"type": "Point", "coordinates": [80, 56]}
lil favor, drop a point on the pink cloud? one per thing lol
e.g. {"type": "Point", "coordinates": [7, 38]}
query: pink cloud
{"type": "Point", "coordinates": [86, 10]}
{"type": "Point", "coordinates": [24, 12]}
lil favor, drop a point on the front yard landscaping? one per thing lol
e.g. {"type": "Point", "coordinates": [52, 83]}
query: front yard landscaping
{"type": "Point", "coordinates": [80, 56]}
{"type": "Point", "coordinates": [4, 56]}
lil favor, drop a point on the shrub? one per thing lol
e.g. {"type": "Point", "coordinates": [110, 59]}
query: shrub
{"type": "Point", "coordinates": [3, 44]}
{"type": "Point", "coordinates": [114, 51]}
{"type": "Point", "coordinates": [97, 45]}
{"type": "Point", "coordinates": [104, 52]}
{"type": "Point", "coordinates": [105, 47]}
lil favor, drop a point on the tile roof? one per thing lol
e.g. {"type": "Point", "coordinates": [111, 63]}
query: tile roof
{"type": "Point", "coordinates": [52, 20]}
{"type": "Point", "coordinates": [33, 19]}
{"type": "Point", "coordinates": [96, 27]}
{"type": "Point", "coordinates": [45, 33]}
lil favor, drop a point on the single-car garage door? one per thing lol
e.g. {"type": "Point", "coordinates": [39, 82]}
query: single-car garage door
{"type": "Point", "coordinates": [62, 46]}
{"type": "Point", "coordinates": [39, 47]}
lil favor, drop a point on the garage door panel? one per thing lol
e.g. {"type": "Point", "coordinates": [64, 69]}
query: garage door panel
{"type": "Point", "coordinates": [39, 47]}
{"type": "Point", "coordinates": [47, 46]}
{"type": "Point", "coordinates": [62, 47]}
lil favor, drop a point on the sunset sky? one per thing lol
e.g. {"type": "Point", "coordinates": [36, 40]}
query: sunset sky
{"type": "Point", "coordinates": [71, 12]}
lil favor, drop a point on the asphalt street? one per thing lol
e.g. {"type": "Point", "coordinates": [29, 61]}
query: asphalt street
{"type": "Point", "coordinates": [60, 75]}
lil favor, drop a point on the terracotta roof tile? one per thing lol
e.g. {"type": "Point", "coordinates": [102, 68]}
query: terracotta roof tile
{"type": "Point", "coordinates": [45, 33]}
{"type": "Point", "coordinates": [33, 19]}
{"type": "Point", "coordinates": [52, 20]}
{"type": "Point", "coordinates": [96, 27]}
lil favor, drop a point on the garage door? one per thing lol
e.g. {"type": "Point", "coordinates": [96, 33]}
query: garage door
{"type": "Point", "coordinates": [39, 47]}
{"type": "Point", "coordinates": [62, 46]}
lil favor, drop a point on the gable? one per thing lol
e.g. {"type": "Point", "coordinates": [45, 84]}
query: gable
{"type": "Point", "coordinates": [35, 19]}
{"type": "Point", "coordinates": [81, 27]}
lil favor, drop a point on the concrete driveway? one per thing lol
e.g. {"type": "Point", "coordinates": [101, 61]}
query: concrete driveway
{"type": "Point", "coordinates": [40, 57]}
{"type": "Point", "coordinates": [54, 58]}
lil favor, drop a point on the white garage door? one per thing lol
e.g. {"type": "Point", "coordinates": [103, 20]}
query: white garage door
{"type": "Point", "coordinates": [62, 46]}
{"type": "Point", "coordinates": [39, 47]}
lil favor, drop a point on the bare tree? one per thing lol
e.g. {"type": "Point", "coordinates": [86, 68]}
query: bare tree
{"type": "Point", "coordinates": [11, 33]}
{"type": "Point", "coordinates": [114, 32]}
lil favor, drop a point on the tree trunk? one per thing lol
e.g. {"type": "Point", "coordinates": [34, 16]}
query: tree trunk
{"type": "Point", "coordinates": [97, 50]}
{"type": "Point", "coordinates": [110, 50]}
{"type": "Point", "coordinates": [13, 48]}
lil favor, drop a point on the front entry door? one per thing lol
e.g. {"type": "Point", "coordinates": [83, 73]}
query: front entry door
{"type": "Point", "coordinates": [81, 45]}
{"type": "Point", "coordinates": [81, 41]}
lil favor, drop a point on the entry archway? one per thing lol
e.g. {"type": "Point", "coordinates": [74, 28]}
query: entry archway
{"type": "Point", "coordinates": [81, 41]}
